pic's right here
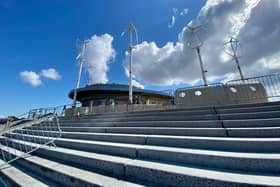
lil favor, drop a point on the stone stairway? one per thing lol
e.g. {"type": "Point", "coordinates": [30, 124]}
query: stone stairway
{"type": "Point", "coordinates": [234, 145]}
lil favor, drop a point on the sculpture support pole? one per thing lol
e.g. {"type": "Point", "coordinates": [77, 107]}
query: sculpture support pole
{"type": "Point", "coordinates": [201, 67]}
{"type": "Point", "coordinates": [239, 68]}
{"type": "Point", "coordinates": [130, 71]}
{"type": "Point", "coordinates": [81, 59]}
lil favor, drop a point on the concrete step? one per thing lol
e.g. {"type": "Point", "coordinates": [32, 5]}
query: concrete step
{"type": "Point", "coordinates": [62, 174]}
{"type": "Point", "coordinates": [257, 145]}
{"type": "Point", "coordinates": [248, 109]}
{"type": "Point", "coordinates": [270, 122]}
{"type": "Point", "coordinates": [218, 132]}
{"type": "Point", "coordinates": [190, 111]}
{"type": "Point", "coordinates": [12, 176]}
{"type": "Point", "coordinates": [253, 162]}
{"type": "Point", "coordinates": [246, 123]}
{"type": "Point", "coordinates": [210, 132]}
{"type": "Point", "coordinates": [179, 117]}
{"type": "Point", "coordinates": [206, 124]}
{"type": "Point", "coordinates": [146, 114]}
{"type": "Point", "coordinates": [166, 174]}
{"type": "Point", "coordinates": [252, 115]}
{"type": "Point", "coordinates": [171, 117]}
{"type": "Point", "coordinates": [254, 132]}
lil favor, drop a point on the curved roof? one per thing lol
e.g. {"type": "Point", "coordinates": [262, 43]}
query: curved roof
{"type": "Point", "coordinates": [114, 88]}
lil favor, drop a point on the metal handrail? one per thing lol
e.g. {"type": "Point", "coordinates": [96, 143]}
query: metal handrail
{"type": "Point", "coordinates": [9, 137]}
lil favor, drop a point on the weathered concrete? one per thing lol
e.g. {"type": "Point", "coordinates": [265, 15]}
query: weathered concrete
{"type": "Point", "coordinates": [220, 95]}
{"type": "Point", "coordinates": [154, 172]}
{"type": "Point", "coordinates": [233, 145]}
{"type": "Point", "coordinates": [255, 162]}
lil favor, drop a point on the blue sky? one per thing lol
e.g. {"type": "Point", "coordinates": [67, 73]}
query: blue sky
{"type": "Point", "coordinates": [38, 35]}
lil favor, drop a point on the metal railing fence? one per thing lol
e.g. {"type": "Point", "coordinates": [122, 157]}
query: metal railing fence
{"type": "Point", "coordinates": [20, 140]}
{"type": "Point", "coordinates": [269, 83]}
{"type": "Point", "coordinates": [250, 90]}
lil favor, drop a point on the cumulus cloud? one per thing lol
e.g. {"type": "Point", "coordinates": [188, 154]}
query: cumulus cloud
{"type": "Point", "coordinates": [172, 23]}
{"type": "Point", "coordinates": [137, 84]}
{"type": "Point", "coordinates": [175, 63]}
{"type": "Point", "coordinates": [34, 79]}
{"type": "Point", "coordinates": [184, 12]}
{"type": "Point", "coordinates": [31, 78]}
{"type": "Point", "coordinates": [175, 11]}
{"type": "Point", "coordinates": [50, 73]}
{"type": "Point", "coordinates": [98, 54]}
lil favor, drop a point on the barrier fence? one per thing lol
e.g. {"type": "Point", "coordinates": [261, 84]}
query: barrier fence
{"type": "Point", "coordinates": [269, 83]}
{"type": "Point", "coordinates": [20, 140]}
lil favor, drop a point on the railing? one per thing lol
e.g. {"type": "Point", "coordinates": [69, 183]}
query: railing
{"type": "Point", "coordinates": [250, 90]}
{"type": "Point", "coordinates": [16, 142]}
{"type": "Point", "coordinates": [117, 108]}
{"type": "Point", "coordinates": [270, 84]}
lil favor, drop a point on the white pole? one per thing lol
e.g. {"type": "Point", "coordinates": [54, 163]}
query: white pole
{"type": "Point", "coordinates": [131, 29]}
{"type": "Point", "coordinates": [81, 60]}
{"type": "Point", "coordinates": [130, 68]}
{"type": "Point", "coordinates": [201, 67]}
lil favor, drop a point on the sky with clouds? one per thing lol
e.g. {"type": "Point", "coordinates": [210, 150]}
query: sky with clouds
{"type": "Point", "coordinates": [40, 43]}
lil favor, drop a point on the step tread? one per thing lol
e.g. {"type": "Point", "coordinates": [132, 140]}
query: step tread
{"type": "Point", "coordinates": [209, 173]}
{"type": "Point", "coordinates": [19, 177]}
{"type": "Point", "coordinates": [170, 136]}
{"type": "Point", "coordinates": [89, 176]}
{"type": "Point", "coordinates": [173, 149]}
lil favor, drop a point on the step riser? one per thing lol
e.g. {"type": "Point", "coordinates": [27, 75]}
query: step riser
{"type": "Point", "coordinates": [132, 172]}
{"type": "Point", "coordinates": [266, 115]}
{"type": "Point", "coordinates": [198, 124]}
{"type": "Point", "coordinates": [268, 146]}
{"type": "Point", "coordinates": [181, 118]}
{"type": "Point", "coordinates": [251, 123]}
{"type": "Point", "coordinates": [148, 118]}
{"type": "Point", "coordinates": [254, 133]}
{"type": "Point", "coordinates": [226, 124]}
{"type": "Point", "coordinates": [179, 132]}
{"type": "Point", "coordinates": [211, 132]}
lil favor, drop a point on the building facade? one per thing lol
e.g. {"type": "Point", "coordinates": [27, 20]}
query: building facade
{"type": "Point", "coordinates": [117, 94]}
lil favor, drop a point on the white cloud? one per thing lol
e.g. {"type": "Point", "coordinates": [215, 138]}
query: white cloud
{"type": "Point", "coordinates": [2, 116]}
{"type": "Point", "coordinates": [31, 78]}
{"type": "Point", "coordinates": [137, 84]}
{"type": "Point", "coordinates": [175, 11]}
{"type": "Point", "coordinates": [98, 54]}
{"type": "Point", "coordinates": [50, 73]}
{"type": "Point", "coordinates": [172, 23]}
{"type": "Point", "coordinates": [175, 63]}
{"type": "Point", "coordinates": [184, 12]}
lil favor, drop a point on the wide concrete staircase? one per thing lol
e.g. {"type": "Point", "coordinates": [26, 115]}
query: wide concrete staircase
{"type": "Point", "coordinates": [237, 145]}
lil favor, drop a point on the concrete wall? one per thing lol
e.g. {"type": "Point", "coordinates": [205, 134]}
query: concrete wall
{"type": "Point", "coordinates": [220, 95]}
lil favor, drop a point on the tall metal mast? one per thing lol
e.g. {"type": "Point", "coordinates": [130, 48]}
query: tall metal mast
{"type": "Point", "coordinates": [80, 57]}
{"type": "Point", "coordinates": [234, 44]}
{"type": "Point", "coordinates": [131, 29]}
{"type": "Point", "coordinates": [196, 43]}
